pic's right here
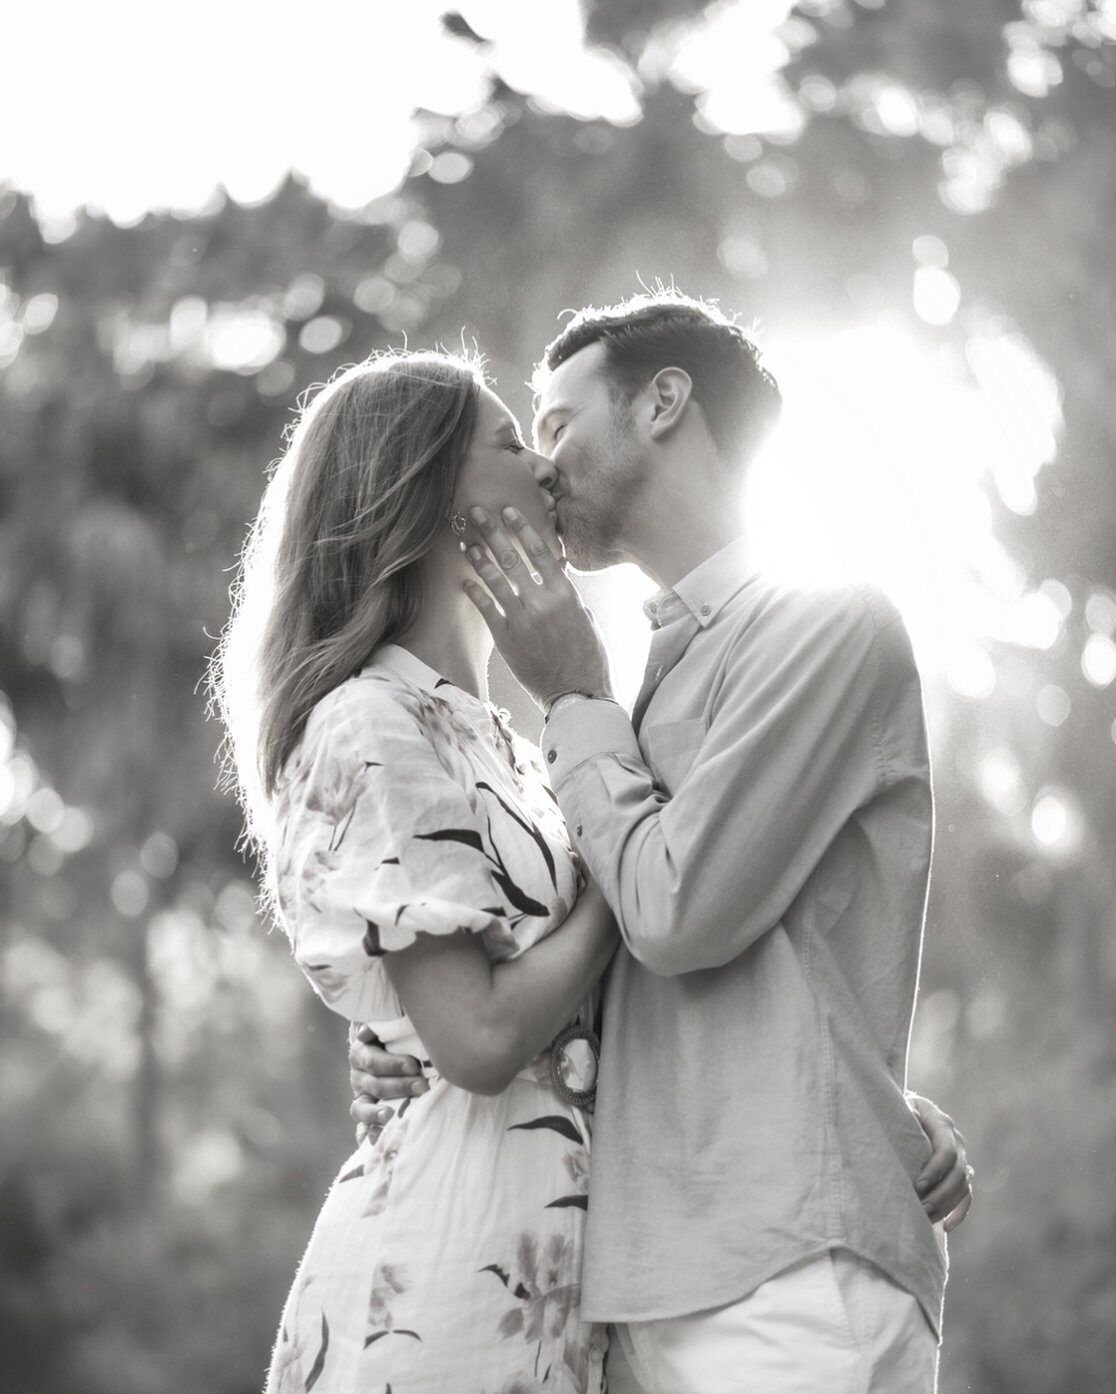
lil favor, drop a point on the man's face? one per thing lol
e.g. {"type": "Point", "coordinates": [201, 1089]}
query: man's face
{"type": "Point", "coordinates": [592, 443]}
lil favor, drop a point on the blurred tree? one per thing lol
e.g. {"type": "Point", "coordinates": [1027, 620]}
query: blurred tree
{"type": "Point", "coordinates": [153, 1031]}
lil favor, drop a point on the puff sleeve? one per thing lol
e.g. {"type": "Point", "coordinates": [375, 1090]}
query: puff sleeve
{"type": "Point", "coordinates": [377, 842]}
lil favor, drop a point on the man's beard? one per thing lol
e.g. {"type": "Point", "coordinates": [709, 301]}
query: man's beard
{"type": "Point", "coordinates": [586, 548]}
{"type": "Point", "coordinates": [593, 523]}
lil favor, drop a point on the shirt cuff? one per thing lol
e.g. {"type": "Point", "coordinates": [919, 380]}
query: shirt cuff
{"type": "Point", "coordinates": [580, 731]}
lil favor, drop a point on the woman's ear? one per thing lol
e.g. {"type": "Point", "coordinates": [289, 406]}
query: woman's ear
{"type": "Point", "coordinates": [670, 391]}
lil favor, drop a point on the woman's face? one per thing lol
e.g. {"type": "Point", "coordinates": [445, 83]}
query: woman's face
{"type": "Point", "coordinates": [500, 470]}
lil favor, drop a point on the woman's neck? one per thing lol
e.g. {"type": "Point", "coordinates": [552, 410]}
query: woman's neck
{"type": "Point", "coordinates": [449, 635]}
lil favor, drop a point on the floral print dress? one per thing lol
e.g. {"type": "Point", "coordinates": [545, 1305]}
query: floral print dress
{"type": "Point", "coordinates": [447, 1255]}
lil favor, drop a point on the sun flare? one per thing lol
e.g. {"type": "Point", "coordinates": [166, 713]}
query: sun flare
{"type": "Point", "coordinates": [885, 468]}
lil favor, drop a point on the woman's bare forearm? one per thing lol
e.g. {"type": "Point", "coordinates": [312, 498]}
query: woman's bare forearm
{"type": "Point", "coordinates": [482, 1022]}
{"type": "Point", "coordinates": [537, 994]}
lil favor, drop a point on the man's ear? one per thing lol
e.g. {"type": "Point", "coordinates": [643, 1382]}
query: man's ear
{"type": "Point", "coordinates": [670, 391]}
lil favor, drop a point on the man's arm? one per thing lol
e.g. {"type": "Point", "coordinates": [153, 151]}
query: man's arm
{"type": "Point", "coordinates": [797, 742]}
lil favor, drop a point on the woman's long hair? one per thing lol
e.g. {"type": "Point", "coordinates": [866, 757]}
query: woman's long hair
{"type": "Point", "coordinates": [330, 568]}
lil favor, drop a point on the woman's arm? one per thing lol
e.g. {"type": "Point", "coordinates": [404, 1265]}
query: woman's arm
{"type": "Point", "coordinates": [482, 1022]}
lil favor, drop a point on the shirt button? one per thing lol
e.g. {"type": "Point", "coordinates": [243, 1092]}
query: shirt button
{"type": "Point", "coordinates": [577, 830]}
{"type": "Point", "coordinates": [551, 756]}
{"type": "Point", "coordinates": [705, 609]}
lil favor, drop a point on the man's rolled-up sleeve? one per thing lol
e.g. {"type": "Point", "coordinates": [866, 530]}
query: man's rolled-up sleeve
{"type": "Point", "coordinates": [798, 739]}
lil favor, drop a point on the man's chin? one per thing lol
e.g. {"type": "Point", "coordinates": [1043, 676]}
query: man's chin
{"type": "Point", "coordinates": [584, 563]}
{"type": "Point", "coordinates": [584, 555]}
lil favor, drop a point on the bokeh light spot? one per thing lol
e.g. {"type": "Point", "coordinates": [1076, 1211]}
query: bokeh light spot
{"type": "Point", "coordinates": [304, 296]}
{"type": "Point", "coordinates": [817, 92]}
{"type": "Point", "coordinates": [1058, 593]}
{"type": "Point", "coordinates": [971, 673]}
{"type": "Point", "coordinates": [322, 334]}
{"type": "Point", "coordinates": [159, 855]}
{"type": "Point", "coordinates": [450, 167]}
{"type": "Point", "coordinates": [129, 894]}
{"type": "Point", "coordinates": [67, 657]}
{"type": "Point", "coordinates": [1053, 704]}
{"type": "Point", "coordinates": [1001, 781]}
{"type": "Point", "coordinates": [897, 110]}
{"type": "Point", "coordinates": [242, 339]}
{"type": "Point", "coordinates": [17, 780]}
{"type": "Point", "coordinates": [930, 251]}
{"type": "Point", "coordinates": [1032, 621]}
{"type": "Point", "coordinates": [936, 295]}
{"type": "Point", "coordinates": [987, 1013]}
{"type": "Point", "coordinates": [75, 831]}
{"type": "Point", "coordinates": [204, 1163]}
{"type": "Point", "coordinates": [1031, 69]}
{"type": "Point", "coordinates": [744, 257]}
{"type": "Point", "coordinates": [1048, 820]}
{"type": "Point", "coordinates": [1100, 612]}
{"type": "Point", "coordinates": [45, 810]}
{"type": "Point", "coordinates": [771, 178]}
{"type": "Point", "coordinates": [39, 312]}
{"type": "Point", "coordinates": [373, 294]}
{"type": "Point", "coordinates": [418, 240]}
{"type": "Point", "coordinates": [236, 907]}
{"type": "Point", "coordinates": [276, 379]}
{"type": "Point", "coordinates": [1098, 660]}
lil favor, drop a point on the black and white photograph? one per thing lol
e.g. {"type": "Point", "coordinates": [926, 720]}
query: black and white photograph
{"type": "Point", "coordinates": [558, 697]}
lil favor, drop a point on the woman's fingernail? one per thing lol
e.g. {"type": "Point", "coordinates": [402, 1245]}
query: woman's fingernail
{"type": "Point", "coordinates": [511, 515]}
{"type": "Point", "coordinates": [477, 514]}
{"type": "Point", "coordinates": [474, 554]}
{"type": "Point", "coordinates": [419, 1086]}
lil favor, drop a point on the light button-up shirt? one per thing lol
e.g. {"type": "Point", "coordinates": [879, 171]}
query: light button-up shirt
{"type": "Point", "coordinates": [761, 827]}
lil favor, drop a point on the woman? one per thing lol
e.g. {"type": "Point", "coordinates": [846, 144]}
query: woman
{"type": "Point", "coordinates": [413, 854]}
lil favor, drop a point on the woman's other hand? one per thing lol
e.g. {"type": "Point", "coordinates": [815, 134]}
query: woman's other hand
{"type": "Point", "coordinates": [377, 1076]}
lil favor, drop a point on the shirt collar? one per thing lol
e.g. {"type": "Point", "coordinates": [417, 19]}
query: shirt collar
{"type": "Point", "coordinates": [705, 590]}
{"type": "Point", "coordinates": [401, 662]}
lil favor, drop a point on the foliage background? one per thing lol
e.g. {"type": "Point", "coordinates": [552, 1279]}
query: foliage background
{"type": "Point", "coordinates": [174, 1099]}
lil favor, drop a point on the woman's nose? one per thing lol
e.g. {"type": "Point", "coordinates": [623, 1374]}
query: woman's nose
{"type": "Point", "coordinates": [544, 471]}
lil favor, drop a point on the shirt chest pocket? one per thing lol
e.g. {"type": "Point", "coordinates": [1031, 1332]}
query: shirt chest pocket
{"type": "Point", "coordinates": [671, 750]}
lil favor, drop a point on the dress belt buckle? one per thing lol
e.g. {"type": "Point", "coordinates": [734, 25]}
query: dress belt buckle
{"type": "Point", "coordinates": [574, 1064]}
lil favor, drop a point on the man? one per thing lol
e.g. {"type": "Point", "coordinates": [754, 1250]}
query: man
{"type": "Point", "coordinates": [761, 827]}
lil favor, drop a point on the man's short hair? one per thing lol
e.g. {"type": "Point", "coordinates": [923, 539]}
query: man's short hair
{"type": "Point", "coordinates": [665, 329]}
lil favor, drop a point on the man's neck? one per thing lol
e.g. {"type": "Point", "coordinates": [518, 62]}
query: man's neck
{"type": "Point", "coordinates": [673, 541]}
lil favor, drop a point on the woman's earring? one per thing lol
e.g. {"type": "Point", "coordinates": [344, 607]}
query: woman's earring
{"type": "Point", "coordinates": [458, 524]}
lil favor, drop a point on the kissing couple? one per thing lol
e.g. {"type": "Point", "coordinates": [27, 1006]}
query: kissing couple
{"type": "Point", "coordinates": [685, 938]}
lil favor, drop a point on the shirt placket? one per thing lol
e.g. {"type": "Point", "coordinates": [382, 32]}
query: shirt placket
{"type": "Point", "coordinates": [668, 644]}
